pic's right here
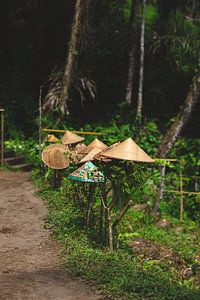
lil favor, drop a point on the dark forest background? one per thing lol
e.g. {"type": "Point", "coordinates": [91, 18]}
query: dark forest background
{"type": "Point", "coordinates": [34, 41]}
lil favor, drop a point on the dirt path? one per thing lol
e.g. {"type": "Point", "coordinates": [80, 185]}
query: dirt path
{"type": "Point", "coordinates": [29, 264]}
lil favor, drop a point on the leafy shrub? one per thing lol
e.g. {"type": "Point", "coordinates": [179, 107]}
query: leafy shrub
{"type": "Point", "coordinates": [27, 147]}
{"type": "Point", "coordinates": [120, 273]}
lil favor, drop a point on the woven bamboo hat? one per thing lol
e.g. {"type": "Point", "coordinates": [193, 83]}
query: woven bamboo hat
{"type": "Point", "coordinates": [100, 155]}
{"type": "Point", "coordinates": [71, 138]}
{"type": "Point", "coordinates": [90, 155]}
{"type": "Point", "coordinates": [51, 138]}
{"type": "Point", "coordinates": [80, 147]}
{"type": "Point", "coordinates": [95, 144]}
{"type": "Point", "coordinates": [128, 150]}
{"type": "Point", "coordinates": [54, 156]}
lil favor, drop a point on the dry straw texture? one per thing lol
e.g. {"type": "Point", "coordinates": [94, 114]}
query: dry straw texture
{"type": "Point", "coordinates": [71, 138]}
{"type": "Point", "coordinates": [51, 138]}
{"type": "Point", "coordinates": [128, 150]}
{"type": "Point", "coordinates": [95, 144]}
{"type": "Point", "coordinates": [90, 155]}
{"type": "Point", "coordinates": [100, 155]}
{"type": "Point", "coordinates": [55, 157]}
{"type": "Point", "coordinates": [80, 147]}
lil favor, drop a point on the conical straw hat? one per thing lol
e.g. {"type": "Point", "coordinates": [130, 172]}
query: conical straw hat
{"type": "Point", "coordinates": [128, 150]}
{"type": "Point", "coordinates": [80, 147]}
{"type": "Point", "coordinates": [51, 138]}
{"type": "Point", "coordinates": [71, 138]}
{"type": "Point", "coordinates": [90, 155]}
{"type": "Point", "coordinates": [100, 155]}
{"type": "Point", "coordinates": [55, 156]}
{"type": "Point", "coordinates": [87, 173]}
{"type": "Point", "coordinates": [95, 144]}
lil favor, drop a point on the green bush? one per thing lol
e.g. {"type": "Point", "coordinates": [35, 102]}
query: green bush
{"type": "Point", "coordinates": [120, 273]}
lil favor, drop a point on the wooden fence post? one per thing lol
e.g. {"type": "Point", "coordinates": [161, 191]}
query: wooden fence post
{"type": "Point", "coordinates": [2, 136]}
{"type": "Point", "coordinates": [40, 121]}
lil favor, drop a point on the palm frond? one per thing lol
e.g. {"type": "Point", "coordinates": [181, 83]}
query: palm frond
{"type": "Point", "coordinates": [86, 88]}
{"type": "Point", "coordinates": [52, 98]}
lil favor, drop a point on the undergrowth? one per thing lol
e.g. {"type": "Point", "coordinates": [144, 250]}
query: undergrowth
{"type": "Point", "coordinates": [125, 272]}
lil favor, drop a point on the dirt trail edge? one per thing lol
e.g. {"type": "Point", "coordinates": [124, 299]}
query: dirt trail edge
{"type": "Point", "coordinates": [29, 264]}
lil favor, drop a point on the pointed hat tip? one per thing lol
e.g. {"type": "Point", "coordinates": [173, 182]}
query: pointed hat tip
{"type": "Point", "coordinates": [128, 150]}
{"type": "Point", "coordinates": [71, 138]}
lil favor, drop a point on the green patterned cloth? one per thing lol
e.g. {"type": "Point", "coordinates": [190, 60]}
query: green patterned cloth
{"type": "Point", "coordinates": [87, 173]}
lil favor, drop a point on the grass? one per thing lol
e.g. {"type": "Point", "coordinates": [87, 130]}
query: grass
{"type": "Point", "coordinates": [136, 269]}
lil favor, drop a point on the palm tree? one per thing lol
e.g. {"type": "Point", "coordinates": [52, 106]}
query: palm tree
{"type": "Point", "coordinates": [58, 94]}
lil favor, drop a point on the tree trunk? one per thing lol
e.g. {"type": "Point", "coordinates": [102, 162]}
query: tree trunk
{"type": "Point", "coordinates": [106, 226]}
{"type": "Point", "coordinates": [121, 213]}
{"type": "Point", "coordinates": [193, 8]}
{"type": "Point", "coordinates": [175, 130]}
{"type": "Point", "coordinates": [131, 70]}
{"type": "Point", "coordinates": [159, 195]}
{"type": "Point", "coordinates": [91, 202]}
{"type": "Point", "coordinates": [101, 223]}
{"type": "Point", "coordinates": [67, 76]}
{"type": "Point", "coordinates": [181, 119]}
{"type": "Point", "coordinates": [141, 73]}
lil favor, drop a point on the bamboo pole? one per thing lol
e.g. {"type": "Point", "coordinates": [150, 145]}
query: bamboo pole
{"type": "Point", "coordinates": [181, 194]}
{"type": "Point", "coordinates": [167, 159]}
{"type": "Point", "coordinates": [2, 136]}
{"type": "Point", "coordinates": [78, 132]}
{"type": "Point", "coordinates": [40, 121]}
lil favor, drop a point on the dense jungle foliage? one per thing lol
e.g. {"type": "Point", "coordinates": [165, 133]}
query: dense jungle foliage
{"type": "Point", "coordinates": [35, 35]}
